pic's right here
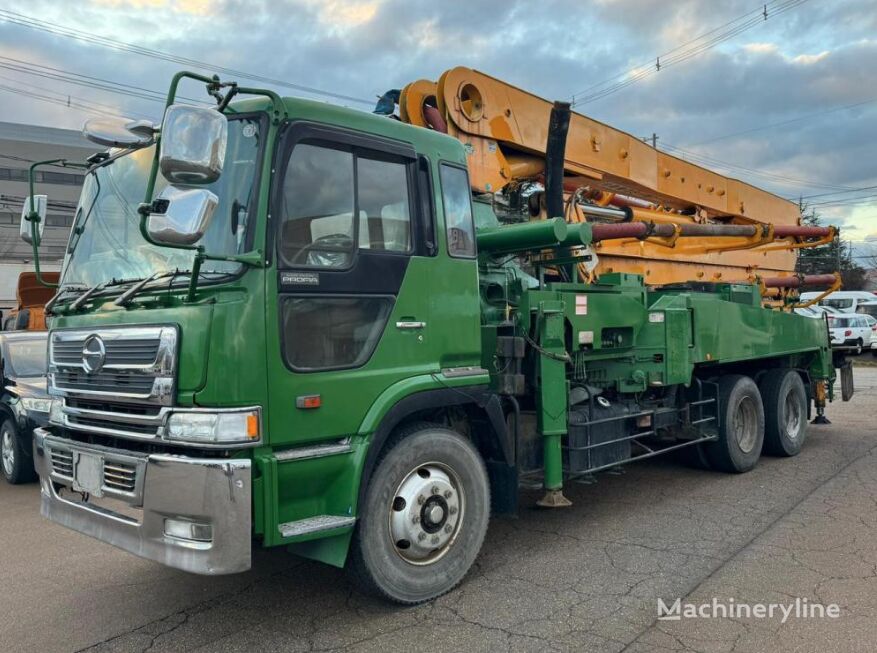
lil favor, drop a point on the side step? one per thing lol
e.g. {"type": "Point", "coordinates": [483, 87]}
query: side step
{"type": "Point", "coordinates": [314, 525]}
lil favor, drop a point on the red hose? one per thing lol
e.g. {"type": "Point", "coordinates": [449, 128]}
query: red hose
{"type": "Point", "coordinates": [797, 282]}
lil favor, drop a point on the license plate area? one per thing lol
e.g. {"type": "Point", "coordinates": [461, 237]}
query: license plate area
{"type": "Point", "coordinates": [88, 473]}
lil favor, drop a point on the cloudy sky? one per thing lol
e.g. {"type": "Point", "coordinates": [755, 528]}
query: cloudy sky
{"type": "Point", "coordinates": [788, 103]}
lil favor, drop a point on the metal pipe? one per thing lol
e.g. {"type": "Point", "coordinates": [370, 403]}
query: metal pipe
{"type": "Point", "coordinates": [605, 212]}
{"type": "Point", "coordinates": [522, 237]}
{"type": "Point", "coordinates": [798, 281]}
{"type": "Point", "coordinates": [786, 231]}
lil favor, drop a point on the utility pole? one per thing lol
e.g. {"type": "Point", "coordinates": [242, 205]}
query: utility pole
{"type": "Point", "coordinates": [653, 138]}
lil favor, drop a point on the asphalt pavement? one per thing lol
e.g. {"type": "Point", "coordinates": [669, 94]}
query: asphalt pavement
{"type": "Point", "coordinates": [584, 578]}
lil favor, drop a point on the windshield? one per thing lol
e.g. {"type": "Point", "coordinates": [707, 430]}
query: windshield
{"type": "Point", "coordinates": [106, 243]}
{"type": "Point", "coordinates": [24, 358]}
{"type": "Point", "coordinates": [867, 309]}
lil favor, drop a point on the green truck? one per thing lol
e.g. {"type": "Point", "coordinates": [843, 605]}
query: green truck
{"type": "Point", "coordinates": [278, 325]}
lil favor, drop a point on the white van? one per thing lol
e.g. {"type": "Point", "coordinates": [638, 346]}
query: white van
{"type": "Point", "coordinates": [848, 301]}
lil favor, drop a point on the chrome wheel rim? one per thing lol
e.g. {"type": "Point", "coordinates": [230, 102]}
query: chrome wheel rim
{"type": "Point", "coordinates": [426, 513]}
{"type": "Point", "coordinates": [746, 424]}
{"type": "Point", "coordinates": [8, 453]}
{"type": "Point", "coordinates": [793, 417]}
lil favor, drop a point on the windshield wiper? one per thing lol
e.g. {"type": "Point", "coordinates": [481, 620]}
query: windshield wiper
{"type": "Point", "coordinates": [128, 296]}
{"type": "Point", "coordinates": [84, 297]}
{"type": "Point", "coordinates": [63, 291]}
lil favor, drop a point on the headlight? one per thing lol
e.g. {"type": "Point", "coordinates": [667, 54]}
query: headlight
{"type": "Point", "coordinates": [36, 404]}
{"type": "Point", "coordinates": [221, 427]}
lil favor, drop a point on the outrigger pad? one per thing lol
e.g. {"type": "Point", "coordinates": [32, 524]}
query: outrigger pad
{"type": "Point", "coordinates": [554, 499]}
{"type": "Point", "coordinates": [821, 419]}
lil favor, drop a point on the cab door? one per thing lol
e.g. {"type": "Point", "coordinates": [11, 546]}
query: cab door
{"type": "Point", "coordinates": [353, 249]}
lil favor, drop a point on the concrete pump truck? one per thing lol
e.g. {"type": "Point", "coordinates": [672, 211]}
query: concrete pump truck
{"type": "Point", "coordinates": [285, 323]}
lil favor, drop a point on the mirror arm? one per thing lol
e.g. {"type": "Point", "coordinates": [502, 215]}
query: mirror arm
{"type": "Point", "coordinates": [34, 218]}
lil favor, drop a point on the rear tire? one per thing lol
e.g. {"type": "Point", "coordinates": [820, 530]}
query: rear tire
{"type": "Point", "coordinates": [424, 516]}
{"type": "Point", "coordinates": [16, 463]}
{"type": "Point", "coordinates": [785, 412]}
{"type": "Point", "coordinates": [741, 428]}
{"type": "Point", "coordinates": [859, 346]}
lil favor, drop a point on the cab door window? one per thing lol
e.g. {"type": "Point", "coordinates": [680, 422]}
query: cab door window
{"type": "Point", "coordinates": [338, 199]}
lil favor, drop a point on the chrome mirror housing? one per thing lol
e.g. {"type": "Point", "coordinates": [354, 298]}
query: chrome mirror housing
{"type": "Point", "coordinates": [180, 216]}
{"type": "Point", "coordinates": [40, 207]}
{"type": "Point", "coordinates": [120, 132]}
{"type": "Point", "coordinates": [193, 142]}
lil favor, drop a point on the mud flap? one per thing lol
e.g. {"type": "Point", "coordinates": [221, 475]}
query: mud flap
{"type": "Point", "coordinates": [847, 388]}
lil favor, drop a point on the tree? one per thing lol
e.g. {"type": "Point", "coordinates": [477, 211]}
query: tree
{"type": "Point", "coordinates": [836, 256]}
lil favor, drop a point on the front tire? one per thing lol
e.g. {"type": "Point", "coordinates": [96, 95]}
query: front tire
{"type": "Point", "coordinates": [785, 412]}
{"type": "Point", "coordinates": [741, 428]}
{"type": "Point", "coordinates": [15, 462]}
{"type": "Point", "coordinates": [424, 516]}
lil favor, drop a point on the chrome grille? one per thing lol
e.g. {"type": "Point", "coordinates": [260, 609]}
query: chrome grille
{"type": "Point", "coordinates": [135, 351]}
{"type": "Point", "coordinates": [62, 462]}
{"type": "Point", "coordinates": [106, 382]}
{"type": "Point", "coordinates": [120, 476]}
{"type": "Point", "coordinates": [122, 473]}
{"type": "Point", "coordinates": [123, 395]}
{"type": "Point", "coordinates": [138, 364]}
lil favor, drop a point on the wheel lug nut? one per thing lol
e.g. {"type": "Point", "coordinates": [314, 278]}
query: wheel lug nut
{"type": "Point", "coordinates": [415, 519]}
{"type": "Point", "coordinates": [448, 528]}
{"type": "Point", "coordinates": [447, 494]}
{"type": "Point", "coordinates": [435, 539]}
{"type": "Point", "coordinates": [435, 489]}
{"type": "Point", "coordinates": [421, 537]}
{"type": "Point", "coordinates": [420, 500]}
{"type": "Point", "coordinates": [453, 510]}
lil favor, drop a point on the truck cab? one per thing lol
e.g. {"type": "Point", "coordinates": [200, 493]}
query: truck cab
{"type": "Point", "coordinates": [186, 425]}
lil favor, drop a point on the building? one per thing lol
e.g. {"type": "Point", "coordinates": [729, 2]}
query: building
{"type": "Point", "coordinates": [20, 146]}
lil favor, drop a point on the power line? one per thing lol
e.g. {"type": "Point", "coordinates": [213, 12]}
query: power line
{"type": "Point", "coordinates": [683, 52]}
{"type": "Point", "coordinates": [122, 46]}
{"type": "Point", "coordinates": [775, 177]}
{"type": "Point", "coordinates": [836, 192]}
{"type": "Point", "coordinates": [785, 122]}
{"type": "Point", "coordinates": [69, 104]}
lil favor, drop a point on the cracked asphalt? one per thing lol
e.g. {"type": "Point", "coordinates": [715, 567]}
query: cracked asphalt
{"type": "Point", "coordinates": [584, 578]}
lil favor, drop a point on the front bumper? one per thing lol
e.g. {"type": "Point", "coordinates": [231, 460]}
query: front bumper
{"type": "Point", "coordinates": [207, 491]}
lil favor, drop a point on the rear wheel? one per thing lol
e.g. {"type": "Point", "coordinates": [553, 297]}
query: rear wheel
{"type": "Point", "coordinates": [15, 461]}
{"type": "Point", "coordinates": [785, 412]}
{"type": "Point", "coordinates": [741, 427]}
{"type": "Point", "coordinates": [424, 516]}
{"type": "Point", "coordinates": [859, 345]}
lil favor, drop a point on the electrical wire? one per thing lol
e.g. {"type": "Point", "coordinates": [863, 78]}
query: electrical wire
{"type": "Point", "coordinates": [775, 177]}
{"type": "Point", "coordinates": [684, 52]}
{"type": "Point", "coordinates": [784, 122]}
{"type": "Point", "coordinates": [31, 22]}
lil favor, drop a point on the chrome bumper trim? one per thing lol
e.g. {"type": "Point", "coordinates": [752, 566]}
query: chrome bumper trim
{"type": "Point", "coordinates": [213, 491]}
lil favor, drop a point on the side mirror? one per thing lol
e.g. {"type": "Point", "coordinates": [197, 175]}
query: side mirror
{"type": "Point", "coordinates": [40, 207]}
{"type": "Point", "coordinates": [193, 142]}
{"type": "Point", "coordinates": [120, 132]}
{"type": "Point", "coordinates": [183, 215]}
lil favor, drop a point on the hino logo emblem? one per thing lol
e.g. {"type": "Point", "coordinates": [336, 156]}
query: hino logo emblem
{"type": "Point", "coordinates": [94, 354]}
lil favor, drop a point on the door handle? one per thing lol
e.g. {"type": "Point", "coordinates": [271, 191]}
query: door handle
{"type": "Point", "coordinates": [410, 324]}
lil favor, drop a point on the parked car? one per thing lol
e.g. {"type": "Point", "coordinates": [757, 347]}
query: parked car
{"type": "Point", "coordinates": [24, 402]}
{"type": "Point", "coordinates": [850, 330]}
{"type": "Point", "coordinates": [847, 301]}
{"type": "Point", "coordinates": [872, 322]}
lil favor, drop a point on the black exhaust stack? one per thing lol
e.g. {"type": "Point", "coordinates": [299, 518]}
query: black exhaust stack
{"type": "Point", "coordinates": [555, 154]}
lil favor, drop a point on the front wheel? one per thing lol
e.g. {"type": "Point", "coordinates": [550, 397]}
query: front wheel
{"type": "Point", "coordinates": [424, 516]}
{"type": "Point", "coordinates": [15, 462]}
